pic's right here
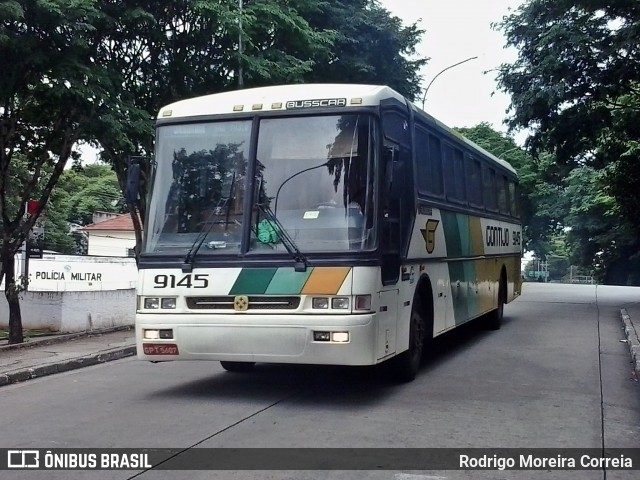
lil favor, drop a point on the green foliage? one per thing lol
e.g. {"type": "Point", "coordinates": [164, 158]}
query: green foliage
{"type": "Point", "coordinates": [596, 235]}
{"type": "Point", "coordinates": [97, 193]}
{"type": "Point", "coordinates": [50, 90]}
{"type": "Point", "coordinates": [79, 193]}
{"type": "Point", "coordinates": [371, 46]}
{"type": "Point", "coordinates": [576, 85]}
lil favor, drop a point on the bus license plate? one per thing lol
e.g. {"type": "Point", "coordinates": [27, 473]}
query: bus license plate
{"type": "Point", "coordinates": [160, 349]}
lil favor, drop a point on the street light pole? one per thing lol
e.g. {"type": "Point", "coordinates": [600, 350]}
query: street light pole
{"type": "Point", "coordinates": [240, 49]}
{"type": "Point", "coordinates": [509, 151]}
{"type": "Point", "coordinates": [424, 98]}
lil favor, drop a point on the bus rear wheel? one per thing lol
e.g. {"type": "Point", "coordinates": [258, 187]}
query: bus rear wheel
{"type": "Point", "coordinates": [238, 366]}
{"type": "Point", "coordinates": [494, 318]}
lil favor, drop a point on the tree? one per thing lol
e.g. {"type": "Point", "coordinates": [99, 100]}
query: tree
{"type": "Point", "coordinates": [98, 191]}
{"type": "Point", "coordinates": [371, 46]}
{"type": "Point", "coordinates": [596, 237]}
{"type": "Point", "coordinates": [576, 85]}
{"type": "Point", "coordinates": [79, 192]}
{"type": "Point", "coordinates": [99, 70]}
{"type": "Point", "coordinates": [46, 97]}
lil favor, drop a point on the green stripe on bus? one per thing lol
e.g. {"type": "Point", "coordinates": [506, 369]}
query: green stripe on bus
{"type": "Point", "coordinates": [253, 281]}
{"type": "Point", "coordinates": [460, 239]}
{"type": "Point", "coordinates": [463, 228]}
{"type": "Point", "coordinates": [287, 281]}
{"type": "Point", "coordinates": [451, 234]}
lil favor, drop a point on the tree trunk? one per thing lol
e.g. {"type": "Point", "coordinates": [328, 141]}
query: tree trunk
{"type": "Point", "coordinates": [12, 293]}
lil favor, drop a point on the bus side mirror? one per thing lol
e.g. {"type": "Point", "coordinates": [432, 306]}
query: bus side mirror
{"type": "Point", "coordinates": [393, 171]}
{"type": "Point", "coordinates": [133, 184]}
{"type": "Point", "coordinates": [388, 159]}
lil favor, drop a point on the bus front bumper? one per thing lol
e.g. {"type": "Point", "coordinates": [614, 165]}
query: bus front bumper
{"type": "Point", "coordinates": [308, 339]}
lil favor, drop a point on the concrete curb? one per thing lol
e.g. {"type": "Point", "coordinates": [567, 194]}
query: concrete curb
{"type": "Point", "coordinates": [67, 365]}
{"type": "Point", "coordinates": [633, 340]}
{"type": "Point", "coordinates": [58, 338]}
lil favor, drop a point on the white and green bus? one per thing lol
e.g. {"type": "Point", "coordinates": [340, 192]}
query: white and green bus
{"type": "Point", "coordinates": [319, 224]}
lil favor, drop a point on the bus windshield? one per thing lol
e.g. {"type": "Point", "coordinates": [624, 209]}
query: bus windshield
{"type": "Point", "coordinates": [314, 174]}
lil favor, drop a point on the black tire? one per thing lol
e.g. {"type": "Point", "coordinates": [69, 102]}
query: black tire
{"type": "Point", "coordinates": [405, 366]}
{"type": "Point", "coordinates": [494, 318]}
{"type": "Point", "coordinates": [238, 367]}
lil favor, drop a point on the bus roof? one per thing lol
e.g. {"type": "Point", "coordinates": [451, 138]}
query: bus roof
{"type": "Point", "coordinates": [276, 98]}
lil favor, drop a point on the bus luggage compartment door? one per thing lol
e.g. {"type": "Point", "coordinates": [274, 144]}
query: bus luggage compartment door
{"type": "Point", "coordinates": [387, 320]}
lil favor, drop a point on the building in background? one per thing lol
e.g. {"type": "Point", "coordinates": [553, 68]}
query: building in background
{"type": "Point", "coordinates": [111, 235]}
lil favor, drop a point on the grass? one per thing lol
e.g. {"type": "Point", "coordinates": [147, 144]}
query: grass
{"type": "Point", "coordinates": [4, 334]}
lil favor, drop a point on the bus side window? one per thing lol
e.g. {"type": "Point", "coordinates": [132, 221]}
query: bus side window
{"type": "Point", "coordinates": [458, 172]}
{"type": "Point", "coordinates": [396, 127]}
{"type": "Point", "coordinates": [473, 173]}
{"type": "Point", "coordinates": [503, 203]}
{"type": "Point", "coordinates": [429, 163]}
{"type": "Point", "coordinates": [489, 184]}
{"type": "Point", "coordinates": [435, 164]}
{"type": "Point", "coordinates": [454, 174]}
{"type": "Point", "coordinates": [515, 200]}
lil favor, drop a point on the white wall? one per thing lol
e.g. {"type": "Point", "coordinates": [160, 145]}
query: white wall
{"type": "Point", "coordinates": [111, 243]}
{"type": "Point", "coordinates": [69, 312]}
{"type": "Point", "coordinates": [76, 293]}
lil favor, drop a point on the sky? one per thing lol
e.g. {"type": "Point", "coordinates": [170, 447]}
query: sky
{"type": "Point", "coordinates": [462, 96]}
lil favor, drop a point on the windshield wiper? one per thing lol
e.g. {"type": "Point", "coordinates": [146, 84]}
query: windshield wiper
{"type": "Point", "coordinates": [187, 265]}
{"type": "Point", "coordinates": [299, 257]}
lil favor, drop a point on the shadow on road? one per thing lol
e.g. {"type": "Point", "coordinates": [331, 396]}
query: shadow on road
{"type": "Point", "coordinates": [321, 385]}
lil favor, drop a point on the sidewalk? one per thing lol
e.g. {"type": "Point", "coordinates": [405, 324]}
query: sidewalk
{"type": "Point", "coordinates": [630, 317]}
{"type": "Point", "coordinates": [60, 353]}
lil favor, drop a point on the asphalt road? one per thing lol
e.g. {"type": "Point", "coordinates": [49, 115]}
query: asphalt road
{"type": "Point", "coordinates": [556, 375]}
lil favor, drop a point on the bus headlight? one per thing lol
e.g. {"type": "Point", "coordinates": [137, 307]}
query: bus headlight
{"type": "Point", "coordinates": [151, 303]}
{"type": "Point", "coordinates": [320, 302]}
{"type": "Point", "coordinates": [155, 303]}
{"type": "Point", "coordinates": [359, 303]}
{"type": "Point", "coordinates": [168, 303]}
{"type": "Point", "coordinates": [340, 303]}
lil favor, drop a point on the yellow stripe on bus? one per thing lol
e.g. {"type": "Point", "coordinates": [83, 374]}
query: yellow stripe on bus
{"type": "Point", "coordinates": [325, 280]}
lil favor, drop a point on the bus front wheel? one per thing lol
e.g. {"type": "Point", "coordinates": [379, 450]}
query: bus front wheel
{"type": "Point", "coordinates": [406, 365]}
{"type": "Point", "coordinates": [238, 366]}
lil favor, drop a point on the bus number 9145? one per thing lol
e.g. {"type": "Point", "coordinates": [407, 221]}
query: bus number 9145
{"type": "Point", "coordinates": [199, 280]}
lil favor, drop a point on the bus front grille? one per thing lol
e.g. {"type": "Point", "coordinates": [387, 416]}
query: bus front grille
{"type": "Point", "coordinates": [227, 302]}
